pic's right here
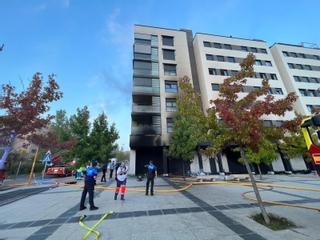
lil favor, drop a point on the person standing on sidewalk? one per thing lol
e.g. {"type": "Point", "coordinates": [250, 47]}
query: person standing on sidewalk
{"type": "Point", "coordinates": [90, 175]}
{"type": "Point", "coordinates": [121, 178]}
{"type": "Point", "coordinates": [151, 174]}
{"type": "Point", "coordinates": [112, 165]}
{"type": "Point", "coordinates": [104, 170]}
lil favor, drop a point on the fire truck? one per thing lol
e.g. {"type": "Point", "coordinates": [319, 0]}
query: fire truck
{"type": "Point", "coordinates": [58, 169]}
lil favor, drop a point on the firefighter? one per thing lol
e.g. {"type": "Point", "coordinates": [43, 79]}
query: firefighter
{"type": "Point", "coordinates": [121, 178]}
{"type": "Point", "coordinates": [90, 175]}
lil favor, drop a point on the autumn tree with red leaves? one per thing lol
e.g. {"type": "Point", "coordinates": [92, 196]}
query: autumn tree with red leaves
{"type": "Point", "coordinates": [25, 113]}
{"type": "Point", "coordinates": [242, 116]}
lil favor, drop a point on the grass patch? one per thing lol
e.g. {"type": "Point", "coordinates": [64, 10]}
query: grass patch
{"type": "Point", "coordinates": [276, 222]}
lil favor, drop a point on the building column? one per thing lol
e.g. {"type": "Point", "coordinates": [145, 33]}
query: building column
{"type": "Point", "coordinates": [200, 160]}
{"type": "Point", "coordinates": [221, 170]}
{"type": "Point", "coordinates": [132, 164]}
{"type": "Point", "coordinates": [165, 161]}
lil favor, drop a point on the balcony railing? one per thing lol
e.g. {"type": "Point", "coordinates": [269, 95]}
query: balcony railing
{"type": "Point", "coordinates": [146, 129]}
{"type": "Point", "coordinates": [145, 109]}
{"type": "Point", "coordinates": [148, 90]}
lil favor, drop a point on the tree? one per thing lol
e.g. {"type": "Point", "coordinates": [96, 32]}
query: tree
{"type": "Point", "coordinates": [188, 124]}
{"type": "Point", "coordinates": [242, 116]}
{"type": "Point", "coordinates": [80, 129]}
{"type": "Point", "coordinates": [25, 112]}
{"type": "Point", "coordinates": [121, 154]}
{"type": "Point", "coordinates": [102, 139]}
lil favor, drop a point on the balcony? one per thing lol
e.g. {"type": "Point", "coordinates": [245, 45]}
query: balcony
{"type": "Point", "coordinates": [146, 129]}
{"type": "Point", "coordinates": [145, 109]}
{"type": "Point", "coordinates": [146, 90]}
{"type": "Point", "coordinates": [145, 141]}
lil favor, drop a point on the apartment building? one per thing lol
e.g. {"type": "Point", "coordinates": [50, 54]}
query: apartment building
{"type": "Point", "coordinates": [299, 68]}
{"type": "Point", "coordinates": [161, 57]}
{"type": "Point", "coordinates": [217, 58]}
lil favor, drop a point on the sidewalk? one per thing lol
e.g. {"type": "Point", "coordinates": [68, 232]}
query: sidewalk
{"type": "Point", "coordinates": [201, 212]}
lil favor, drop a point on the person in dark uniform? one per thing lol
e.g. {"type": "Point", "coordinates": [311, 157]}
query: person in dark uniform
{"type": "Point", "coordinates": [104, 170]}
{"type": "Point", "coordinates": [90, 174]}
{"type": "Point", "coordinates": [151, 174]}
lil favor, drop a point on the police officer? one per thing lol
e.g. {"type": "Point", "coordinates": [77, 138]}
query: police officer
{"type": "Point", "coordinates": [151, 174]}
{"type": "Point", "coordinates": [90, 174]}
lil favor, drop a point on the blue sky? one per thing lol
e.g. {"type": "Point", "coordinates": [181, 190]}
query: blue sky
{"type": "Point", "coordinates": [88, 44]}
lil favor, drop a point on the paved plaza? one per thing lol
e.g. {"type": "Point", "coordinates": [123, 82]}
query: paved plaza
{"type": "Point", "coordinates": [202, 212]}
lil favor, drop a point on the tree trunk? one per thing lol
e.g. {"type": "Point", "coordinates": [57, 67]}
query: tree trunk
{"type": "Point", "coordinates": [18, 170]}
{"type": "Point", "coordinates": [255, 188]}
{"type": "Point", "coordinates": [259, 170]}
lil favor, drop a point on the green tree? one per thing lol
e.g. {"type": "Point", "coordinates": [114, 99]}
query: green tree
{"type": "Point", "coordinates": [188, 123]}
{"type": "Point", "coordinates": [102, 139]}
{"type": "Point", "coordinates": [80, 129]}
{"type": "Point", "coordinates": [242, 116]}
{"type": "Point", "coordinates": [121, 154]}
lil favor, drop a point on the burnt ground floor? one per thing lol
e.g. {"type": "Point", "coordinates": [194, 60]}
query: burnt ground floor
{"type": "Point", "coordinates": [227, 162]}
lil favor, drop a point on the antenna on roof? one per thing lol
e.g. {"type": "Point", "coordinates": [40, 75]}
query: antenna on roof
{"type": "Point", "coordinates": [308, 44]}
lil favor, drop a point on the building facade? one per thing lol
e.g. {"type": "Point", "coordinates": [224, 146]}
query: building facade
{"type": "Point", "coordinates": [299, 68]}
{"type": "Point", "coordinates": [161, 57]}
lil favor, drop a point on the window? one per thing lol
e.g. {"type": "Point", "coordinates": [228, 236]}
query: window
{"type": "Point", "coordinates": [215, 87]}
{"type": "Point", "coordinates": [313, 80]}
{"type": "Point", "coordinates": [285, 53]}
{"type": "Point", "coordinates": [209, 57]}
{"type": "Point", "coordinates": [268, 63]}
{"type": "Point", "coordinates": [262, 50]}
{"type": "Point", "coordinates": [299, 66]}
{"type": "Point", "coordinates": [244, 48]}
{"type": "Point", "coordinates": [220, 58]}
{"type": "Point", "coordinates": [217, 45]}
{"type": "Point", "coordinates": [301, 55]}
{"type": "Point", "coordinates": [316, 57]}
{"type": "Point", "coordinates": [167, 41]}
{"type": "Point", "coordinates": [227, 46]}
{"type": "Point", "coordinates": [297, 78]}
{"type": "Point", "coordinates": [258, 62]}
{"type": "Point", "coordinates": [231, 59]}
{"type": "Point", "coordinates": [234, 72]}
{"type": "Point", "coordinates": [142, 41]}
{"type": "Point", "coordinates": [170, 69]}
{"type": "Point", "coordinates": [169, 125]}
{"type": "Point", "coordinates": [267, 123]}
{"type": "Point", "coordinates": [273, 76]}
{"type": "Point", "coordinates": [212, 71]}
{"type": "Point", "coordinates": [168, 54]}
{"type": "Point", "coordinates": [304, 79]}
{"type": "Point", "coordinates": [206, 44]}
{"type": "Point", "coordinates": [291, 65]}
{"type": "Point", "coordinates": [263, 75]}
{"type": "Point", "coordinates": [142, 56]}
{"type": "Point", "coordinates": [293, 54]}
{"type": "Point", "coordinates": [145, 82]}
{"type": "Point", "coordinates": [311, 108]}
{"type": "Point", "coordinates": [312, 93]}
{"type": "Point", "coordinates": [171, 105]}
{"type": "Point", "coordinates": [307, 67]}
{"type": "Point", "coordinates": [302, 92]}
{"type": "Point", "coordinates": [277, 123]}
{"type": "Point", "coordinates": [224, 72]}
{"type": "Point", "coordinates": [253, 49]}
{"type": "Point", "coordinates": [142, 68]}
{"type": "Point", "coordinates": [154, 40]}
{"type": "Point", "coordinates": [154, 54]}
{"type": "Point", "coordinates": [277, 91]}
{"type": "Point", "coordinates": [171, 86]}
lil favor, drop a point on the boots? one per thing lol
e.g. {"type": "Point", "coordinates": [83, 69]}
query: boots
{"type": "Point", "coordinates": [122, 196]}
{"type": "Point", "coordinates": [115, 196]}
